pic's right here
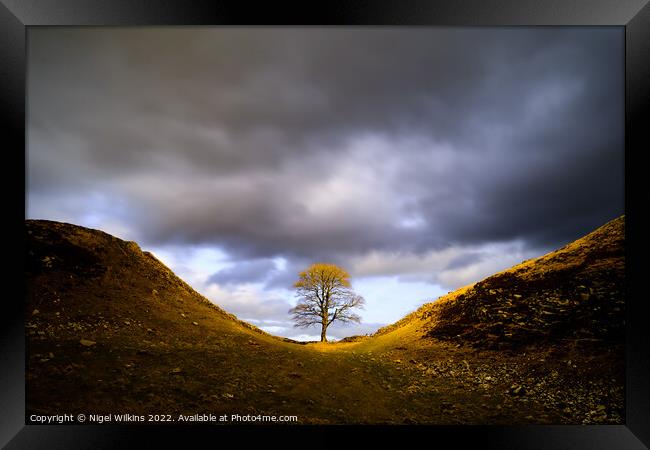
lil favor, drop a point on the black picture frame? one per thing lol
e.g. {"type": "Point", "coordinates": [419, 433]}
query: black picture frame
{"type": "Point", "coordinates": [634, 15]}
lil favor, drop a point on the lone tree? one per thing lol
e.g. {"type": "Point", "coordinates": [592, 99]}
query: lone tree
{"type": "Point", "coordinates": [325, 296]}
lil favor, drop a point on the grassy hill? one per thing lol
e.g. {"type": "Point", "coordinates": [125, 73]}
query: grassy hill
{"type": "Point", "coordinates": [110, 329]}
{"type": "Point", "coordinates": [575, 294]}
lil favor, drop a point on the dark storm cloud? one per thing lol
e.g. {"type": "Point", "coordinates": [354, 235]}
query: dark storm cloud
{"type": "Point", "coordinates": [245, 272]}
{"type": "Point", "coordinates": [323, 143]}
{"type": "Point", "coordinates": [463, 260]}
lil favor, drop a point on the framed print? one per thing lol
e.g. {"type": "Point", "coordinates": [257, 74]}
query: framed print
{"type": "Point", "coordinates": [423, 220]}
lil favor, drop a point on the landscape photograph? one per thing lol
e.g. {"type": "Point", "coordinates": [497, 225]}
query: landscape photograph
{"type": "Point", "coordinates": [325, 226]}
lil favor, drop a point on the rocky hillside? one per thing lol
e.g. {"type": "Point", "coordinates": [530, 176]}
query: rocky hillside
{"type": "Point", "coordinates": [573, 294]}
{"type": "Point", "coordinates": [69, 256]}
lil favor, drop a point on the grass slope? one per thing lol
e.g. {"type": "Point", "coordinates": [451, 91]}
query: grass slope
{"type": "Point", "coordinates": [573, 294]}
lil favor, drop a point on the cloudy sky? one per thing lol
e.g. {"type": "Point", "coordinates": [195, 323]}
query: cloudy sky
{"type": "Point", "coordinates": [419, 159]}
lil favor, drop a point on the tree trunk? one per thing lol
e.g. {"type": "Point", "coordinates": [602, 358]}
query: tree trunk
{"type": "Point", "coordinates": [324, 324]}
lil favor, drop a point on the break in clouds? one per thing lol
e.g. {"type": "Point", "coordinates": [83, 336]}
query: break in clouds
{"type": "Point", "coordinates": [420, 159]}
